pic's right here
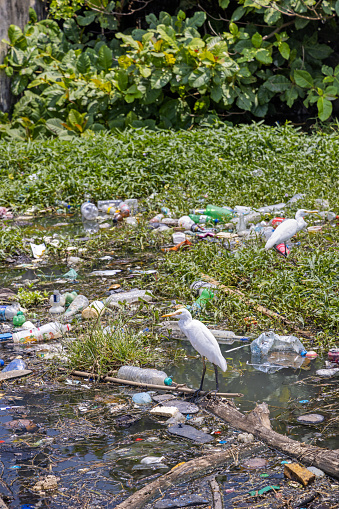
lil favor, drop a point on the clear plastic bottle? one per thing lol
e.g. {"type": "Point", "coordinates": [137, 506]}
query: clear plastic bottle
{"type": "Point", "coordinates": [185, 222]}
{"type": "Point", "coordinates": [241, 225]}
{"type": "Point", "coordinates": [52, 330]}
{"type": "Point", "coordinates": [57, 308]}
{"type": "Point", "coordinates": [148, 376]}
{"type": "Point", "coordinates": [15, 365]}
{"type": "Point", "coordinates": [89, 211]}
{"type": "Point", "coordinates": [103, 205]}
{"type": "Point", "coordinates": [80, 302]}
{"type": "Point", "coordinates": [8, 312]}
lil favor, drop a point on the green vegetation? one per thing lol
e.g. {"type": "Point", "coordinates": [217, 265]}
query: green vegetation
{"type": "Point", "coordinates": [101, 353]}
{"type": "Point", "coordinates": [30, 298]}
{"type": "Point", "coordinates": [176, 72]}
{"type": "Point", "coordinates": [11, 242]}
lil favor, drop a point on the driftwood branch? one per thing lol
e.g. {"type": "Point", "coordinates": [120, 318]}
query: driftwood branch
{"type": "Point", "coordinates": [257, 307]}
{"type": "Point", "coordinates": [184, 473]}
{"type": "Point", "coordinates": [258, 423]}
{"type": "Point", "coordinates": [174, 387]}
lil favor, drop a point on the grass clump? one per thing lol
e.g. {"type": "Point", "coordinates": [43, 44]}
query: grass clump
{"type": "Point", "coordinates": [29, 298]}
{"type": "Point", "coordinates": [102, 353]}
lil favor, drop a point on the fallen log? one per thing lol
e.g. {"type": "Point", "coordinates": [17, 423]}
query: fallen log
{"type": "Point", "coordinates": [174, 387]}
{"type": "Point", "coordinates": [258, 423]}
{"type": "Point", "coordinates": [186, 472]}
{"type": "Point", "coordinates": [257, 307]}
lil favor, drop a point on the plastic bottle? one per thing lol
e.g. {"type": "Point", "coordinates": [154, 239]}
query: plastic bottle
{"type": "Point", "coordinates": [94, 310]}
{"type": "Point", "coordinates": [185, 222]}
{"type": "Point", "coordinates": [241, 225]}
{"type": "Point", "coordinates": [69, 298]}
{"type": "Point", "coordinates": [80, 302]}
{"type": "Point", "coordinates": [57, 308]}
{"type": "Point", "coordinates": [103, 205]}
{"type": "Point", "coordinates": [222, 213]}
{"type": "Point", "coordinates": [157, 218]}
{"type": "Point", "coordinates": [8, 312]}
{"type": "Point", "coordinates": [90, 226]}
{"type": "Point", "coordinates": [119, 216]}
{"type": "Point", "coordinates": [148, 376]}
{"type": "Point", "coordinates": [198, 212]}
{"type": "Point", "coordinates": [19, 319]}
{"type": "Point", "coordinates": [52, 330]}
{"type": "Point", "coordinates": [63, 204]}
{"type": "Point", "coordinates": [205, 296]}
{"type": "Point", "coordinates": [203, 219]}
{"type": "Point", "coordinates": [15, 365]}
{"type": "Point", "coordinates": [89, 211]}
{"type": "Point", "coordinates": [198, 286]}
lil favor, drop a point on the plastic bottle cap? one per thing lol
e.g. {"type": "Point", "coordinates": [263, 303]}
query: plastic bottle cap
{"type": "Point", "coordinates": [168, 381]}
{"type": "Point", "coordinates": [303, 353]}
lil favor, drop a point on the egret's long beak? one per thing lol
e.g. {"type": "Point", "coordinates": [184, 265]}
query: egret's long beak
{"type": "Point", "coordinates": [171, 314]}
{"type": "Point", "coordinates": [312, 211]}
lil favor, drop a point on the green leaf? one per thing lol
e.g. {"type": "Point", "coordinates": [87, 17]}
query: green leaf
{"type": "Point", "coordinates": [263, 56]}
{"type": "Point", "coordinates": [337, 7]}
{"type": "Point", "coordinates": [331, 91]}
{"type": "Point", "coordinates": [291, 95]}
{"type": "Point", "coordinates": [74, 117]}
{"type": "Point", "coordinates": [277, 83]}
{"type": "Point", "coordinates": [224, 3]}
{"type": "Point", "coordinates": [55, 126]}
{"type": "Point", "coordinates": [256, 40]}
{"type": "Point", "coordinates": [260, 110]}
{"type": "Point", "coordinates": [160, 78]}
{"type": "Point", "coordinates": [303, 79]}
{"type": "Point", "coordinates": [197, 20]}
{"type": "Point", "coordinates": [238, 13]}
{"type": "Point", "coordinates": [84, 63]}
{"type": "Point", "coordinates": [271, 16]}
{"type": "Point", "coordinates": [33, 18]}
{"type": "Point", "coordinates": [16, 37]}
{"type": "Point", "coordinates": [300, 23]}
{"type": "Point", "coordinates": [284, 50]}
{"type": "Point", "coordinates": [216, 93]}
{"type": "Point", "coordinates": [324, 108]}
{"type": "Point", "coordinates": [9, 71]}
{"type": "Point", "coordinates": [19, 83]}
{"type": "Point", "coordinates": [105, 57]}
{"type": "Point", "coordinates": [71, 30]}
{"type": "Point", "coordinates": [87, 18]}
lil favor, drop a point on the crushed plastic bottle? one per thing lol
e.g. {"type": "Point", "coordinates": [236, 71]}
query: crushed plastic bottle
{"type": "Point", "coordinates": [89, 211]}
{"type": "Point", "coordinates": [127, 297]}
{"type": "Point", "coordinates": [147, 376]}
{"type": "Point", "coordinates": [15, 365]}
{"type": "Point", "coordinates": [8, 312]}
{"type": "Point", "coordinates": [185, 222]}
{"type": "Point", "coordinates": [80, 302]}
{"type": "Point", "coordinates": [94, 310]}
{"type": "Point", "coordinates": [19, 319]}
{"type": "Point", "coordinates": [224, 214]}
{"type": "Point", "coordinates": [270, 342]}
{"type": "Point", "coordinates": [52, 330]}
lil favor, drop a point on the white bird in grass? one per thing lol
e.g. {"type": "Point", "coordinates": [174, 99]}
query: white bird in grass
{"type": "Point", "coordinates": [287, 229]}
{"type": "Point", "coordinates": [203, 341]}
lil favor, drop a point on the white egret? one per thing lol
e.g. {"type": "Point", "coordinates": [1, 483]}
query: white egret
{"type": "Point", "coordinates": [203, 341]}
{"type": "Point", "coordinates": [287, 229]}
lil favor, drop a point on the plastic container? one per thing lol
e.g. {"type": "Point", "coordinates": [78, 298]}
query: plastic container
{"type": "Point", "coordinates": [127, 297]}
{"type": "Point", "coordinates": [52, 330]}
{"type": "Point", "coordinates": [185, 222]}
{"type": "Point", "coordinates": [19, 319]}
{"type": "Point", "coordinates": [241, 225]}
{"type": "Point", "coordinates": [333, 355]}
{"type": "Point", "coordinates": [224, 214]}
{"type": "Point", "coordinates": [15, 365]}
{"type": "Point", "coordinates": [142, 398]}
{"type": "Point", "coordinates": [198, 286]}
{"type": "Point", "coordinates": [80, 302]}
{"type": "Point", "coordinates": [94, 310]}
{"type": "Point", "coordinates": [8, 312]}
{"type": "Point", "coordinates": [57, 308]}
{"type": "Point", "coordinates": [271, 342]}
{"type": "Point", "coordinates": [89, 211]}
{"type": "Point", "coordinates": [148, 376]}
{"type": "Point", "coordinates": [203, 219]}
{"type": "Point", "coordinates": [157, 218]}
{"type": "Point", "coordinates": [90, 227]}
{"type": "Point", "coordinates": [178, 237]}
{"type": "Point", "coordinates": [103, 205]}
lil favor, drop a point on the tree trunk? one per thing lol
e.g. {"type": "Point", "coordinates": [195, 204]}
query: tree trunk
{"type": "Point", "coordinates": [258, 423]}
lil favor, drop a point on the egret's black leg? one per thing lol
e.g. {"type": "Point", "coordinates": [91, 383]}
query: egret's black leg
{"type": "Point", "coordinates": [216, 379]}
{"type": "Point", "coordinates": [196, 393]}
{"type": "Point", "coordinates": [285, 249]}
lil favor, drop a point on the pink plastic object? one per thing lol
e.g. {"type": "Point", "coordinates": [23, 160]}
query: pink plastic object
{"type": "Point", "coordinates": [311, 354]}
{"type": "Point", "coordinates": [333, 355]}
{"type": "Point", "coordinates": [281, 249]}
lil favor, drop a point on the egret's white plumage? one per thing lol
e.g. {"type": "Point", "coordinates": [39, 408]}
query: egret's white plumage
{"type": "Point", "coordinates": [288, 228]}
{"type": "Point", "coordinates": [202, 340]}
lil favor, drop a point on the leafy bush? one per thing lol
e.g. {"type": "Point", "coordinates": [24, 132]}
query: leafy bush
{"type": "Point", "coordinates": [71, 82]}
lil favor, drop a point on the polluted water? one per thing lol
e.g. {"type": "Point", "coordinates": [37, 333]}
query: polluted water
{"type": "Point", "coordinates": [72, 441]}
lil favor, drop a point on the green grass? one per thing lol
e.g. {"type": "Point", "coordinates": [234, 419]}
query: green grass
{"type": "Point", "coordinates": [101, 353]}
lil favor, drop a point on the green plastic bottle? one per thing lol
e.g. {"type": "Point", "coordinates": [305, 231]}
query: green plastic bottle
{"type": "Point", "coordinates": [205, 296]}
{"type": "Point", "coordinates": [19, 319]}
{"type": "Point", "coordinates": [203, 219]}
{"type": "Point", "coordinates": [69, 297]}
{"type": "Point", "coordinates": [219, 213]}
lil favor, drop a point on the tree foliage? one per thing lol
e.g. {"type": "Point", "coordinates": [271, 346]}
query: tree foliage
{"type": "Point", "coordinates": [171, 74]}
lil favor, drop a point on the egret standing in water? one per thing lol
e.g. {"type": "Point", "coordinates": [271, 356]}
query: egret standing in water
{"type": "Point", "coordinates": [203, 341]}
{"type": "Point", "coordinates": [287, 229]}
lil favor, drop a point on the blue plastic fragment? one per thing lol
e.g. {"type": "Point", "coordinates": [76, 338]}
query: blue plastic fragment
{"type": "Point", "coordinates": [15, 467]}
{"type": "Point", "coordinates": [5, 336]}
{"type": "Point", "coordinates": [304, 401]}
{"type": "Point", "coordinates": [2, 362]}
{"type": "Point", "coordinates": [303, 353]}
{"type": "Point", "coordinates": [222, 441]}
